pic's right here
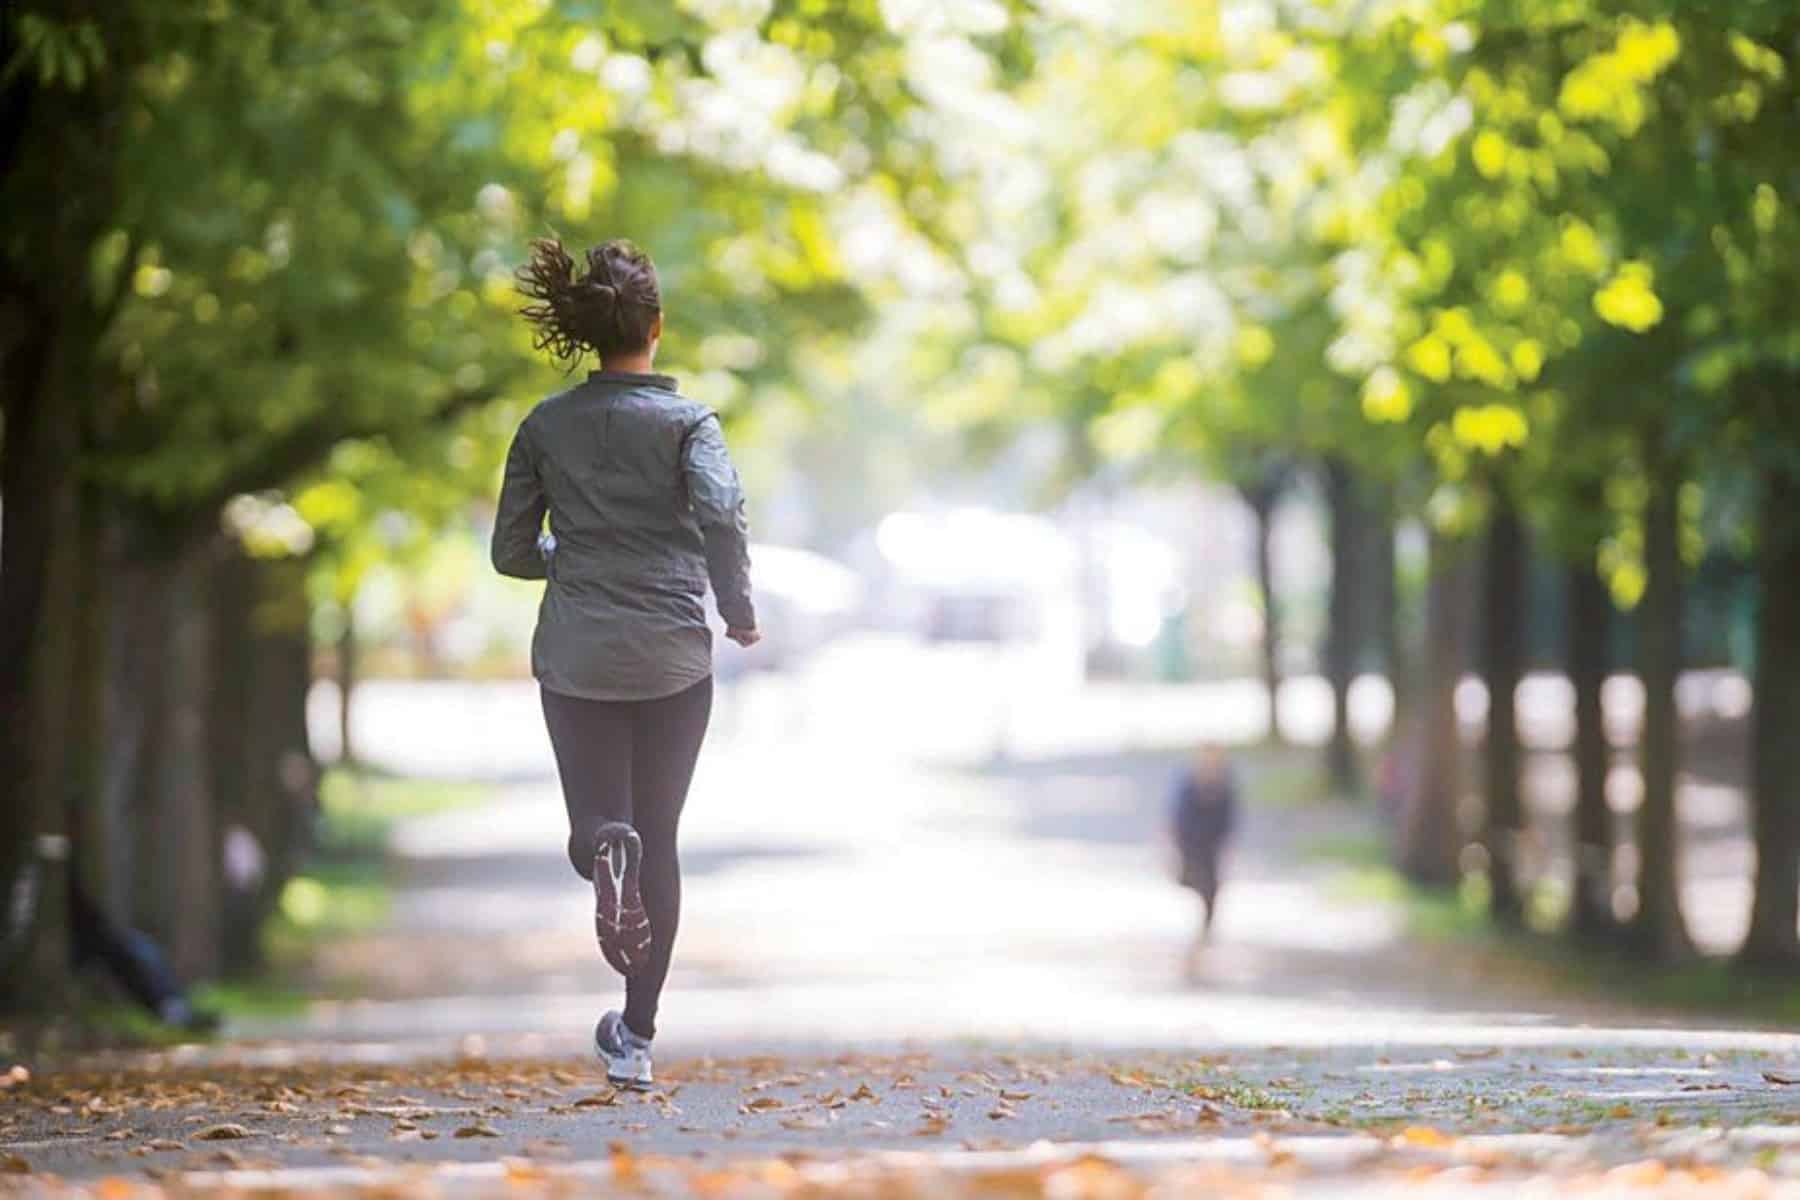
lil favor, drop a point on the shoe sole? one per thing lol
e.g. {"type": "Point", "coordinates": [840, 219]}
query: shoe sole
{"type": "Point", "coordinates": [620, 924]}
{"type": "Point", "coordinates": [628, 1083]}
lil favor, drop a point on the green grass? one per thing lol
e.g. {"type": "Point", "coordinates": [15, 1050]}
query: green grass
{"type": "Point", "coordinates": [1237, 1095]}
{"type": "Point", "coordinates": [361, 808]}
{"type": "Point", "coordinates": [1281, 776]}
{"type": "Point", "coordinates": [254, 997]}
{"type": "Point", "coordinates": [1459, 920]}
{"type": "Point", "coordinates": [344, 891]}
{"type": "Point", "coordinates": [1347, 849]}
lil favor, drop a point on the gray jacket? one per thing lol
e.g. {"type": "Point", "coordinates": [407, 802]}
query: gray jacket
{"type": "Point", "coordinates": [645, 508]}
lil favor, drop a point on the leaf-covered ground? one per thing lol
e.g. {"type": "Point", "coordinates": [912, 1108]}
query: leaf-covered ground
{"type": "Point", "coordinates": [1631, 1120]}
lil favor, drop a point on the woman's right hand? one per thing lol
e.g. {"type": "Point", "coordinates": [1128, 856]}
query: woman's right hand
{"type": "Point", "coordinates": [744, 637]}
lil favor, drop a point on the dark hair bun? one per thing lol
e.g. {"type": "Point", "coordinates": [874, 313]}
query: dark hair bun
{"type": "Point", "coordinates": [608, 308]}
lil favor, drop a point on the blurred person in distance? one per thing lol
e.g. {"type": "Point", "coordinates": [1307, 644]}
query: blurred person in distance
{"type": "Point", "coordinates": [1203, 819]}
{"type": "Point", "coordinates": [645, 508]}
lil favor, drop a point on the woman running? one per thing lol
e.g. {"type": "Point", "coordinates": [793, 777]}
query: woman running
{"type": "Point", "coordinates": [645, 509]}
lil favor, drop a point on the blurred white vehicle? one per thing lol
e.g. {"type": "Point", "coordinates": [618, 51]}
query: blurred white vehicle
{"type": "Point", "coordinates": [977, 576]}
{"type": "Point", "coordinates": [803, 600]}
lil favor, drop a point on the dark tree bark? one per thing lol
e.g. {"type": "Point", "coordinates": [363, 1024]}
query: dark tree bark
{"type": "Point", "coordinates": [178, 827]}
{"type": "Point", "coordinates": [1503, 654]}
{"type": "Point", "coordinates": [1431, 838]}
{"type": "Point", "coordinates": [346, 681]}
{"type": "Point", "coordinates": [1773, 940]}
{"type": "Point", "coordinates": [93, 862]}
{"type": "Point", "coordinates": [57, 142]}
{"type": "Point", "coordinates": [1262, 493]}
{"type": "Point", "coordinates": [39, 572]}
{"type": "Point", "coordinates": [1348, 536]}
{"type": "Point", "coordinates": [1384, 565]}
{"type": "Point", "coordinates": [1590, 629]}
{"type": "Point", "coordinates": [285, 783]}
{"type": "Point", "coordinates": [1659, 930]}
{"type": "Point", "coordinates": [267, 782]}
{"type": "Point", "coordinates": [232, 753]}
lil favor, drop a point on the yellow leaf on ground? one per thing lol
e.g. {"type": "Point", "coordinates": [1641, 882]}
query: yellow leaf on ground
{"type": "Point", "coordinates": [1425, 1135]}
{"type": "Point", "coordinates": [1647, 1172]}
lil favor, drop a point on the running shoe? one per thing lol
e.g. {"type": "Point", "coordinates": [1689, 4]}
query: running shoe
{"type": "Point", "coordinates": [626, 1055]}
{"type": "Point", "coordinates": [620, 924]}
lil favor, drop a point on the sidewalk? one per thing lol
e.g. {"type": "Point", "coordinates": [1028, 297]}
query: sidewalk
{"type": "Point", "coordinates": [909, 975]}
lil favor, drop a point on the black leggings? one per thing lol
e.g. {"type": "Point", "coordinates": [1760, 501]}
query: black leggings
{"type": "Point", "coordinates": [632, 760]}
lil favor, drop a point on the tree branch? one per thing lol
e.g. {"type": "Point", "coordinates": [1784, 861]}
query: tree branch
{"type": "Point", "coordinates": [299, 449]}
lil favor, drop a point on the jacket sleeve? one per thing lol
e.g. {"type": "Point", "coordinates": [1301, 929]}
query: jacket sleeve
{"type": "Point", "coordinates": [520, 517]}
{"type": "Point", "coordinates": [717, 498]}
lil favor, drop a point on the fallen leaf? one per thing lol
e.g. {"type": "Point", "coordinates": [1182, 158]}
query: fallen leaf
{"type": "Point", "coordinates": [606, 1099]}
{"type": "Point", "coordinates": [1014, 1096]}
{"type": "Point", "coordinates": [477, 1130]}
{"type": "Point", "coordinates": [1424, 1135]}
{"type": "Point", "coordinates": [15, 1164]}
{"type": "Point", "coordinates": [165, 1144]}
{"type": "Point", "coordinates": [807, 1122]}
{"type": "Point", "coordinates": [762, 1104]}
{"type": "Point", "coordinates": [1090, 1175]}
{"type": "Point", "coordinates": [1000, 1112]}
{"type": "Point", "coordinates": [1647, 1173]}
{"type": "Point", "coordinates": [932, 1123]}
{"type": "Point", "coordinates": [222, 1133]}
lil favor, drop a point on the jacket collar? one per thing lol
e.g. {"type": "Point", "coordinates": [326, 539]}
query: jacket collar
{"type": "Point", "coordinates": [634, 379]}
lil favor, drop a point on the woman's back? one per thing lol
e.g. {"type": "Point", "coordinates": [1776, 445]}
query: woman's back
{"type": "Point", "coordinates": [610, 456]}
{"type": "Point", "coordinates": [645, 508]}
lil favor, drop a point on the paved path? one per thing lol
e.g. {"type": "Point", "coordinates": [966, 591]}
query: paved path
{"type": "Point", "coordinates": [954, 975]}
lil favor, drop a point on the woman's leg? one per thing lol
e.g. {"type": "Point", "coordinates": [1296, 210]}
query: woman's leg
{"type": "Point", "coordinates": [592, 741]}
{"type": "Point", "coordinates": [665, 745]}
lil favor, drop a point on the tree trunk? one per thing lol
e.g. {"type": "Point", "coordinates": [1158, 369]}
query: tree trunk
{"type": "Point", "coordinates": [1385, 599]}
{"type": "Point", "coordinates": [93, 862]}
{"type": "Point", "coordinates": [1431, 839]}
{"type": "Point", "coordinates": [180, 826]}
{"type": "Point", "coordinates": [1347, 537]}
{"type": "Point", "coordinates": [1590, 627]}
{"type": "Point", "coordinates": [232, 753]}
{"type": "Point", "coordinates": [1775, 736]}
{"type": "Point", "coordinates": [1503, 665]}
{"type": "Point", "coordinates": [1659, 930]}
{"type": "Point", "coordinates": [138, 598]}
{"type": "Point", "coordinates": [1262, 499]}
{"type": "Point", "coordinates": [286, 784]}
{"type": "Point", "coordinates": [39, 611]}
{"type": "Point", "coordinates": [346, 681]}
